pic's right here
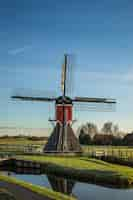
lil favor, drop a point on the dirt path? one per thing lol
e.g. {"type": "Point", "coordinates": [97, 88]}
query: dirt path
{"type": "Point", "coordinates": [21, 193]}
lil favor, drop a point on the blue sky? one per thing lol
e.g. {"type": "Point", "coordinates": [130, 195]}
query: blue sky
{"type": "Point", "coordinates": [34, 35]}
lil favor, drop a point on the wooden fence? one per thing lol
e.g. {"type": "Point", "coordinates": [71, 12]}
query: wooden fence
{"type": "Point", "coordinates": [125, 154]}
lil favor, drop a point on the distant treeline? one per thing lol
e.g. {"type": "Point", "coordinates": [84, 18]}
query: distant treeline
{"type": "Point", "coordinates": [33, 138]}
{"type": "Point", "coordinates": [89, 134]}
{"type": "Point", "coordinates": [108, 135]}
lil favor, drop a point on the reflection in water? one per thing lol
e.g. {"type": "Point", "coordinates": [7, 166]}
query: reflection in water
{"type": "Point", "coordinates": [82, 191]}
{"type": "Point", "coordinates": [61, 185]}
{"type": "Point", "coordinates": [27, 171]}
{"type": "Point", "coordinates": [20, 170]}
{"type": "Point", "coordinates": [58, 184]}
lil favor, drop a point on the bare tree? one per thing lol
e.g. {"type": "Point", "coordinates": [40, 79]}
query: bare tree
{"type": "Point", "coordinates": [89, 129]}
{"type": "Point", "coordinates": [108, 128]}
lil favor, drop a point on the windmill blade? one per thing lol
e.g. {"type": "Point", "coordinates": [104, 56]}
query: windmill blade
{"type": "Point", "coordinates": [34, 93]}
{"type": "Point", "coordinates": [97, 107]}
{"type": "Point", "coordinates": [67, 75]}
{"type": "Point", "coordinates": [30, 98]}
{"type": "Point", "coordinates": [70, 74]}
{"type": "Point", "coordinates": [63, 77]}
{"type": "Point", "coordinates": [94, 100]}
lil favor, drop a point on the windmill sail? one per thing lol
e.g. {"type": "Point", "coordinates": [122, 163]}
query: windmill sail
{"type": "Point", "coordinates": [28, 98]}
{"type": "Point", "coordinates": [63, 78]}
{"type": "Point", "coordinates": [70, 74]}
{"type": "Point", "coordinates": [97, 107]}
{"type": "Point", "coordinates": [94, 104]}
{"type": "Point", "coordinates": [94, 100]}
{"type": "Point", "coordinates": [26, 94]}
{"type": "Point", "coordinates": [67, 75]}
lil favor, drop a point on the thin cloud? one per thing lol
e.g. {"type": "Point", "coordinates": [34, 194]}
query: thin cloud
{"type": "Point", "coordinates": [16, 51]}
{"type": "Point", "coordinates": [129, 76]}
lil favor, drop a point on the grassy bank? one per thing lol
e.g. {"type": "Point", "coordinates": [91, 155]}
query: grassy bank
{"type": "Point", "coordinates": [37, 189]}
{"type": "Point", "coordinates": [86, 169]}
{"type": "Point", "coordinates": [117, 160]}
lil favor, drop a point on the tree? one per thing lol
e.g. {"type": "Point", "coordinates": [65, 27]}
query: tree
{"type": "Point", "coordinates": [92, 129]}
{"type": "Point", "coordinates": [107, 128]}
{"type": "Point", "coordinates": [84, 138]}
{"type": "Point", "coordinates": [128, 139]}
{"type": "Point", "coordinates": [117, 141]}
{"type": "Point", "coordinates": [103, 139]}
{"type": "Point", "coordinates": [109, 135]}
{"type": "Point", "coordinates": [89, 129]}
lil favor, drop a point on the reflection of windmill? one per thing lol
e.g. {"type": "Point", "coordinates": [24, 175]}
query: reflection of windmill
{"type": "Point", "coordinates": [62, 138]}
{"type": "Point", "coordinates": [61, 184]}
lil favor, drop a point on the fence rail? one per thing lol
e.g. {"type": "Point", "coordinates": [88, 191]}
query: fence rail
{"type": "Point", "coordinates": [13, 148]}
{"type": "Point", "coordinates": [122, 153]}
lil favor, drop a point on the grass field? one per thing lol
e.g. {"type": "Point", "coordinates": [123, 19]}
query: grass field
{"type": "Point", "coordinates": [22, 141]}
{"type": "Point", "coordinates": [19, 145]}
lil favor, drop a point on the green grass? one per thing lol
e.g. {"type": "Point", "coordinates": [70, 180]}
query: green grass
{"type": "Point", "coordinates": [37, 189]}
{"type": "Point", "coordinates": [22, 141]}
{"type": "Point", "coordinates": [15, 146]}
{"type": "Point", "coordinates": [98, 167]}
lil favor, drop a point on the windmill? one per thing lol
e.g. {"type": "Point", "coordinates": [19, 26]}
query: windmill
{"type": "Point", "coordinates": [63, 139]}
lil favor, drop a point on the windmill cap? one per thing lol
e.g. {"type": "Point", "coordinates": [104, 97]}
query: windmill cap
{"type": "Point", "coordinates": [66, 100]}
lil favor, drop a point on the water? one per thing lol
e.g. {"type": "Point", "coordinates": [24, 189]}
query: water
{"type": "Point", "coordinates": [82, 191]}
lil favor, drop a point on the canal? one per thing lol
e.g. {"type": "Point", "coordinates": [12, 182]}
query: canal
{"type": "Point", "coordinates": [82, 191]}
